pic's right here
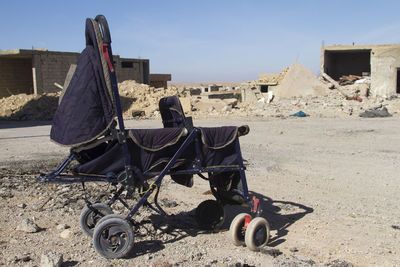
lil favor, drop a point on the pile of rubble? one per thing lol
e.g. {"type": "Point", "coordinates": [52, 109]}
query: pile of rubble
{"type": "Point", "coordinates": [142, 100]}
{"type": "Point", "coordinates": [28, 107]}
{"type": "Point", "coordinates": [297, 90]}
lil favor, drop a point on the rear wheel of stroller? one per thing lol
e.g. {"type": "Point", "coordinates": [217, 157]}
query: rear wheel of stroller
{"type": "Point", "coordinates": [210, 215]}
{"type": "Point", "coordinates": [91, 215]}
{"type": "Point", "coordinates": [113, 237]}
{"type": "Point", "coordinates": [237, 231]}
{"type": "Point", "coordinates": [257, 234]}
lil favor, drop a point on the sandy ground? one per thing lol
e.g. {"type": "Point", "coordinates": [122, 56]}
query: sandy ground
{"type": "Point", "coordinates": [330, 191]}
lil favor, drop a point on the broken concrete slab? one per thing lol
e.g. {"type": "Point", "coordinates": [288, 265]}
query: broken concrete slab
{"type": "Point", "coordinates": [300, 82]}
{"type": "Point", "coordinates": [186, 104]}
{"type": "Point", "coordinates": [231, 101]}
{"type": "Point", "coordinates": [209, 104]}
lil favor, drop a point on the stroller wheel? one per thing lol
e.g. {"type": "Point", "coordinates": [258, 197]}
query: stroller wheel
{"type": "Point", "coordinates": [90, 216]}
{"type": "Point", "coordinates": [210, 215]}
{"type": "Point", "coordinates": [237, 231]}
{"type": "Point", "coordinates": [257, 233]}
{"type": "Point", "coordinates": [113, 237]}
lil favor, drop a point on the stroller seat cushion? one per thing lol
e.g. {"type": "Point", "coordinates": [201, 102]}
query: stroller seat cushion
{"type": "Point", "coordinates": [218, 137]}
{"type": "Point", "coordinates": [156, 139]}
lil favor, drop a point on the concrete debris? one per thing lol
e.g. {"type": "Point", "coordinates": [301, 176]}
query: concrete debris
{"type": "Point", "coordinates": [273, 95]}
{"type": "Point", "coordinates": [136, 96]}
{"type": "Point", "coordinates": [51, 259]}
{"type": "Point", "coordinates": [300, 82]}
{"type": "Point", "coordinates": [340, 263]}
{"type": "Point", "coordinates": [137, 113]}
{"type": "Point", "coordinates": [377, 113]}
{"type": "Point", "coordinates": [271, 252]}
{"type": "Point", "coordinates": [62, 226]}
{"type": "Point", "coordinates": [349, 79]}
{"type": "Point", "coordinates": [272, 78]}
{"type": "Point", "coordinates": [209, 105]}
{"type": "Point", "coordinates": [28, 107]}
{"type": "Point", "coordinates": [28, 226]}
{"type": "Point", "coordinates": [67, 233]}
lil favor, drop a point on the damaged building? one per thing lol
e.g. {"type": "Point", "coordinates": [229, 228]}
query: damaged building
{"type": "Point", "coordinates": [380, 62]}
{"type": "Point", "coordinates": [36, 71]}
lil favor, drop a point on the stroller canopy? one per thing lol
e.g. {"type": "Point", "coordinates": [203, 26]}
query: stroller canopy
{"type": "Point", "coordinates": [87, 108]}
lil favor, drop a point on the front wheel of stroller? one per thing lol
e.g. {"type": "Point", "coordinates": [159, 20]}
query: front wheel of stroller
{"type": "Point", "coordinates": [91, 215]}
{"type": "Point", "coordinates": [113, 238]}
{"type": "Point", "coordinates": [237, 231]}
{"type": "Point", "coordinates": [210, 215]}
{"type": "Point", "coordinates": [257, 234]}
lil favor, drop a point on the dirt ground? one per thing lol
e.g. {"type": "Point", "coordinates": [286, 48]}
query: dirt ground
{"type": "Point", "coordinates": [330, 191]}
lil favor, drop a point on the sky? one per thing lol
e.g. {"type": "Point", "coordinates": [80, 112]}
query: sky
{"type": "Point", "coordinates": [198, 41]}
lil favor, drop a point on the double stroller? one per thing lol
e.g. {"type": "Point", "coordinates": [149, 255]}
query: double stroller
{"type": "Point", "coordinates": [89, 120]}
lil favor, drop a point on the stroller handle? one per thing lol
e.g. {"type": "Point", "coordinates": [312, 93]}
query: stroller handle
{"type": "Point", "coordinates": [105, 31]}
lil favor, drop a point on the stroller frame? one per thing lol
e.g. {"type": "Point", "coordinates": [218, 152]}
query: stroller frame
{"type": "Point", "coordinates": [130, 178]}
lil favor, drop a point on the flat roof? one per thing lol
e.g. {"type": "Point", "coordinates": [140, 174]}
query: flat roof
{"type": "Point", "coordinates": [29, 52]}
{"type": "Point", "coordinates": [360, 47]}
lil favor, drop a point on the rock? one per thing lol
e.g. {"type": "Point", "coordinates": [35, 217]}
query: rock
{"type": "Point", "coordinates": [226, 109]}
{"type": "Point", "coordinates": [394, 106]}
{"type": "Point", "coordinates": [169, 203]}
{"type": "Point", "coordinates": [340, 263]}
{"type": "Point", "coordinates": [22, 205]}
{"type": "Point", "coordinates": [66, 234]}
{"type": "Point", "coordinates": [62, 226]}
{"type": "Point", "coordinates": [51, 259]}
{"type": "Point", "coordinates": [5, 193]}
{"type": "Point", "coordinates": [25, 258]}
{"type": "Point", "coordinates": [137, 113]}
{"type": "Point", "coordinates": [231, 101]}
{"type": "Point", "coordinates": [209, 105]}
{"type": "Point", "coordinates": [272, 252]}
{"type": "Point", "coordinates": [28, 226]}
{"type": "Point", "coordinates": [293, 249]}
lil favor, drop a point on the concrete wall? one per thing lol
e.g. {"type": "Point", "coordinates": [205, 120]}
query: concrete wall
{"type": "Point", "coordinates": [384, 65]}
{"type": "Point", "coordinates": [385, 61]}
{"type": "Point", "coordinates": [51, 67]}
{"type": "Point", "coordinates": [132, 69]}
{"type": "Point", "coordinates": [158, 80]}
{"type": "Point", "coordinates": [15, 76]}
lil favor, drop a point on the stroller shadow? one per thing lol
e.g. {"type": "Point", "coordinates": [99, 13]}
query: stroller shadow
{"type": "Point", "coordinates": [280, 215]}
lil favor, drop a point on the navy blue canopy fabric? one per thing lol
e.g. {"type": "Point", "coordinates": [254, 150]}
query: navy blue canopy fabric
{"type": "Point", "coordinates": [86, 109]}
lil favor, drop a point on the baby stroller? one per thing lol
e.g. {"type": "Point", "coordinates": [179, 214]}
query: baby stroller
{"type": "Point", "coordinates": [89, 120]}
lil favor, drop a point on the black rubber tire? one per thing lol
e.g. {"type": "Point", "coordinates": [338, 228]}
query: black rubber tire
{"type": "Point", "coordinates": [210, 215]}
{"type": "Point", "coordinates": [113, 237]}
{"type": "Point", "coordinates": [257, 234]}
{"type": "Point", "coordinates": [113, 215]}
{"type": "Point", "coordinates": [89, 218]}
{"type": "Point", "coordinates": [236, 231]}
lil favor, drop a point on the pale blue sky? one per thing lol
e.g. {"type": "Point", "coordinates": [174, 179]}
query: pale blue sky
{"type": "Point", "coordinates": [205, 40]}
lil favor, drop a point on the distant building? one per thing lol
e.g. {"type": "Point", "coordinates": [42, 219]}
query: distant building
{"type": "Point", "coordinates": [380, 62]}
{"type": "Point", "coordinates": [36, 71]}
{"type": "Point", "coordinates": [159, 80]}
